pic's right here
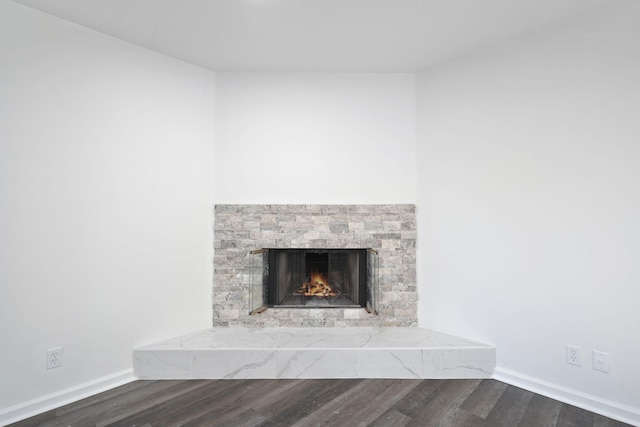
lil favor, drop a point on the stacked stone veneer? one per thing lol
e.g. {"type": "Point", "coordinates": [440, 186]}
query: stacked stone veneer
{"type": "Point", "coordinates": [389, 229]}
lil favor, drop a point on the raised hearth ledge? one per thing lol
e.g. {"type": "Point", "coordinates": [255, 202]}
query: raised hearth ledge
{"type": "Point", "coordinates": [269, 353]}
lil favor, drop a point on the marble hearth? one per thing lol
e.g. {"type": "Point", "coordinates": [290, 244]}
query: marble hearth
{"type": "Point", "coordinates": [365, 352]}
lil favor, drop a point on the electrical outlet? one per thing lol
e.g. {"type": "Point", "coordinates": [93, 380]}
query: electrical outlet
{"type": "Point", "coordinates": [574, 356]}
{"type": "Point", "coordinates": [600, 361]}
{"type": "Point", "coordinates": [54, 357]}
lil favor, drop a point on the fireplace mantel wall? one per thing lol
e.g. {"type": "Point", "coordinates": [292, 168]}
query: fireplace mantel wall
{"type": "Point", "coordinates": [390, 229]}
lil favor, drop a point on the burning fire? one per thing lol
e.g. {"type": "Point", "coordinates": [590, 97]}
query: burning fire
{"type": "Point", "coordinates": [317, 286]}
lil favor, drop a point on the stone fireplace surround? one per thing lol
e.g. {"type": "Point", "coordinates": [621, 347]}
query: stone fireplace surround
{"type": "Point", "coordinates": [389, 229]}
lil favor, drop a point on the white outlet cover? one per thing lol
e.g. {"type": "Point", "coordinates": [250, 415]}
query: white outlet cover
{"type": "Point", "coordinates": [600, 361]}
{"type": "Point", "coordinates": [574, 355]}
{"type": "Point", "coordinates": [54, 357]}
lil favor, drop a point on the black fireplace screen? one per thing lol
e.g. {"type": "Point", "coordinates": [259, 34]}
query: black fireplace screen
{"type": "Point", "coordinates": [313, 278]}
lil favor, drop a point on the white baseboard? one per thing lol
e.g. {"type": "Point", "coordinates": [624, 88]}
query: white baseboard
{"type": "Point", "coordinates": [626, 414]}
{"type": "Point", "coordinates": [63, 397]}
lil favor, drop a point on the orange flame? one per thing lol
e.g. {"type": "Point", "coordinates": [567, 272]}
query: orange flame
{"type": "Point", "coordinates": [317, 286]}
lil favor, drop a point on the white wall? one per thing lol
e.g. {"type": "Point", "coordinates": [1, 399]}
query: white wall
{"type": "Point", "coordinates": [106, 191]}
{"type": "Point", "coordinates": [529, 204]}
{"type": "Point", "coordinates": [315, 138]}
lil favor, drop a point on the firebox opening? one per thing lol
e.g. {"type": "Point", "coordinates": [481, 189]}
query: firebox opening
{"type": "Point", "coordinates": [317, 278]}
{"type": "Point", "coordinates": [313, 278]}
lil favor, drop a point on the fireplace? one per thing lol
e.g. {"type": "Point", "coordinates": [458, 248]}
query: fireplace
{"type": "Point", "coordinates": [314, 278]}
{"type": "Point", "coordinates": [241, 274]}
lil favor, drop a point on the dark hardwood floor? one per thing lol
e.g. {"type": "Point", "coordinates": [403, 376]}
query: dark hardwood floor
{"type": "Point", "coordinates": [356, 402]}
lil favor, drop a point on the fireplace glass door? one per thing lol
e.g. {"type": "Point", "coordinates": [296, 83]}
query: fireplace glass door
{"type": "Point", "coordinates": [317, 278]}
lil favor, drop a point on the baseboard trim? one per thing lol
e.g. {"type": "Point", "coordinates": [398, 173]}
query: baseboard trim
{"type": "Point", "coordinates": [42, 404]}
{"type": "Point", "coordinates": [626, 414]}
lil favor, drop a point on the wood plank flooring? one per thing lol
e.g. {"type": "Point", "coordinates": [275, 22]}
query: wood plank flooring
{"type": "Point", "coordinates": [346, 402]}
